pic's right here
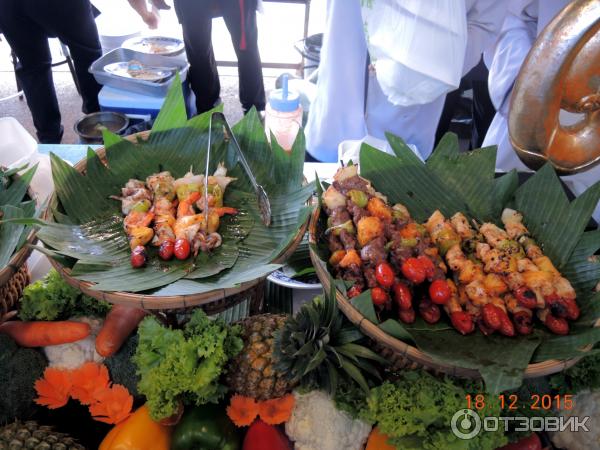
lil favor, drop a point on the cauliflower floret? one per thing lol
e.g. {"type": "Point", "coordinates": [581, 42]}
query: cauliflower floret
{"type": "Point", "coordinates": [316, 424]}
{"type": "Point", "coordinates": [586, 404]}
{"type": "Point", "coordinates": [75, 354]}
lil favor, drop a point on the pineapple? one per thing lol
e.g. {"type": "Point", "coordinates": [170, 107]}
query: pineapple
{"type": "Point", "coordinates": [22, 435]}
{"type": "Point", "coordinates": [251, 373]}
{"type": "Point", "coordinates": [318, 348]}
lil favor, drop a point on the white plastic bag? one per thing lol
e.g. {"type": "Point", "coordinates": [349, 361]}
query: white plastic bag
{"type": "Point", "coordinates": [417, 47]}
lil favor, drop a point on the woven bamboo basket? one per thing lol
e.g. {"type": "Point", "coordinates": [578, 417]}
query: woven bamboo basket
{"type": "Point", "coordinates": [213, 302]}
{"type": "Point", "coordinates": [399, 353]}
{"type": "Point", "coordinates": [15, 276]}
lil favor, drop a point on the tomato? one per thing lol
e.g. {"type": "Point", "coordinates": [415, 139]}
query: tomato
{"type": "Point", "coordinates": [462, 321]}
{"type": "Point", "coordinates": [182, 249]}
{"type": "Point", "coordinates": [439, 292]}
{"type": "Point", "coordinates": [491, 315]}
{"type": "Point", "coordinates": [166, 250]}
{"type": "Point", "coordinates": [427, 264]}
{"type": "Point", "coordinates": [414, 271]}
{"type": "Point", "coordinates": [526, 297]}
{"type": "Point", "coordinates": [407, 315]}
{"type": "Point", "coordinates": [507, 328]}
{"type": "Point", "coordinates": [379, 296]}
{"type": "Point", "coordinates": [354, 291]}
{"type": "Point", "coordinates": [523, 322]}
{"type": "Point", "coordinates": [384, 274]}
{"type": "Point", "coordinates": [532, 442]}
{"type": "Point", "coordinates": [403, 296]}
{"type": "Point", "coordinates": [138, 257]}
{"type": "Point", "coordinates": [429, 312]}
{"type": "Point", "coordinates": [557, 325]}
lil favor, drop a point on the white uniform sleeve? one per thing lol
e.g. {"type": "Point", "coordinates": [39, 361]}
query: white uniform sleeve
{"type": "Point", "coordinates": [484, 20]}
{"type": "Point", "coordinates": [516, 37]}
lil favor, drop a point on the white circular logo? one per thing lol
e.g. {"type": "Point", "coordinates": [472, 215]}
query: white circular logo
{"type": "Point", "coordinates": [466, 424]}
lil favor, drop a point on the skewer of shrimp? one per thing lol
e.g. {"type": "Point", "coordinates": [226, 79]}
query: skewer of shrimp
{"type": "Point", "coordinates": [163, 207]}
{"type": "Point", "coordinates": [136, 200]}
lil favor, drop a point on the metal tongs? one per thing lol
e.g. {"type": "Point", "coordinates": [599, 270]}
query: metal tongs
{"type": "Point", "coordinates": [262, 199]}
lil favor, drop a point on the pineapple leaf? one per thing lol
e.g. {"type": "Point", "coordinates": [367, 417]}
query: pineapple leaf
{"type": "Point", "coordinates": [363, 352]}
{"type": "Point", "coordinates": [332, 377]}
{"type": "Point", "coordinates": [354, 373]}
{"type": "Point", "coordinates": [348, 334]}
{"type": "Point", "coordinates": [316, 360]}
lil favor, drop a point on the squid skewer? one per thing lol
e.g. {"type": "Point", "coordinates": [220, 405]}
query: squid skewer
{"type": "Point", "coordinates": [163, 207]}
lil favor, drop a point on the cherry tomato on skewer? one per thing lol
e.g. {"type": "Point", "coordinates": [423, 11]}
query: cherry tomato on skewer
{"type": "Point", "coordinates": [402, 296]}
{"type": "Point", "coordinates": [138, 257]}
{"type": "Point", "coordinates": [182, 249]}
{"type": "Point", "coordinates": [379, 296]}
{"type": "Point", "coordinates": [462, 321]}
{"type": "Point", "coordinates": [427, 265]}
{"type": "Point", "coordinates": [414, 271]}
{"type": "Point", "coordinates": [354, 291]}
{"type": "Point", "coordinates": [439, 292]}
{"type": "Point", "coordinates": [384, 274]}
{"type": "Point", "coordinates": [407, 315]}
{"type": "Point", "coordinates": [166, 250]}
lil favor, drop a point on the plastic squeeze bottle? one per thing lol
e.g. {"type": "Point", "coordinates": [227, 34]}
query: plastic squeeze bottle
{"type": "Point", "coordinates": [283, 115]}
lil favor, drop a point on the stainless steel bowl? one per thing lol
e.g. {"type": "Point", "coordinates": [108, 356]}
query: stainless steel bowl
{"type": "Point", "coordinates": [89, 128]}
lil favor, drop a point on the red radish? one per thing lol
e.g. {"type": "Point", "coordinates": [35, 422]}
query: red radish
{"type": "Point", "coordinates": [261, 436]}
{"type": "Point", "coordinates": [42, 334]}
{"type": "Point", "coordinates": [384, 275]}
{"type": "Point", "coordinates": [120, 322]}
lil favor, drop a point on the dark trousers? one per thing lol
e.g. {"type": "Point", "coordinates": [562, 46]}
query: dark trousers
{"type": "Point", "coordinates": [196, 17]}
{"type": "Point", "coordinates": [482, 109]}
{"type": "Point", "coordinates": [27, 25]}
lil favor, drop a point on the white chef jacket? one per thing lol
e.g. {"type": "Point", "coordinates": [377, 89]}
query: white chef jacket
{"type": "Point", "coordinates": [524, 21]}
{"type": "Point", "coordinates": [338, 112]}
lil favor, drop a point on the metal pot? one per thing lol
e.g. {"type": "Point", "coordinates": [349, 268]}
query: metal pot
{"type": "Point", "coordinates": [89, 128]}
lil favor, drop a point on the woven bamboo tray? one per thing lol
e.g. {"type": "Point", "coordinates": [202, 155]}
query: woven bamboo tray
{"type": "Point", "coordinates": [399, 353]}
{"type": "Point", "coordinates": [214, 301]}
{"type": "Point", "coordinates": [15, 276]}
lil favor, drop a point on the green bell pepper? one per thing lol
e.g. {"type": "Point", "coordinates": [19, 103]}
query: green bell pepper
{"type": "Point", "coordinates": [205, 427]}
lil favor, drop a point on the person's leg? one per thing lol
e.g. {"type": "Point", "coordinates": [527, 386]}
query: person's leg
{"type": "Point", "coordinates": [196, 22]}
{"type": "Point", "coordinates": [30, 43]}
{"type": "Point", "coordinates": [72, 21]}
{"type": "Point", "coordinates": [240, 18]}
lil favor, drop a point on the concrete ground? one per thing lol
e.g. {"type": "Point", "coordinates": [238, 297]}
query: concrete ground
{"type": "Point", "coordinates": [280, 27]}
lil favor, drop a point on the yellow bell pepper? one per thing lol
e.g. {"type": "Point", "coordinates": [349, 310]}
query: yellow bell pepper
{"type": "Point", "coordinates": [138, 432]}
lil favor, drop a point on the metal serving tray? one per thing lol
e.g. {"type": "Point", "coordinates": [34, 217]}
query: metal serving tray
{"type": "Point", "coordinates": [133, 85]}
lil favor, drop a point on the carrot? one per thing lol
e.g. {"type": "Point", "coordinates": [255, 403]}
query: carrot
{"type": "Point", "coordinates": [42, 334]}
{"type": "Point", "coordinates": [118, 325]}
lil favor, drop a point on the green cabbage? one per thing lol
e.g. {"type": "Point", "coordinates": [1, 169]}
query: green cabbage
{"type": "Point", "coordinates": [183, 365]}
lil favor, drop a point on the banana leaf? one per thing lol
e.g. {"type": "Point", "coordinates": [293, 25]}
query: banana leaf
{"type": "Point", "coordinates": [452, 181]}
{"type": "Point", "coordinates": [88, 226]}
{"type": "Point", "coordinates": [14, 206]}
